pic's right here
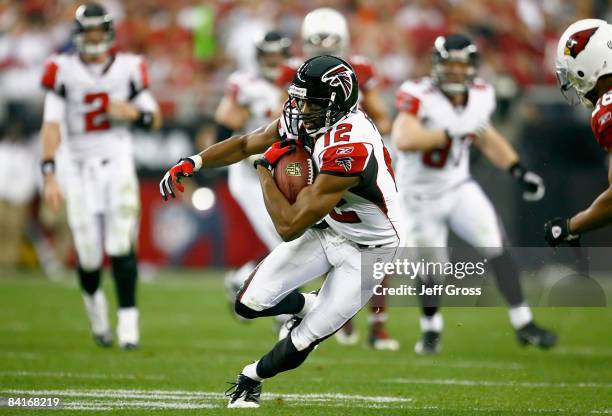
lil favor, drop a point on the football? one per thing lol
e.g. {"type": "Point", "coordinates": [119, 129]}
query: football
{"type": "Point", "coordinates": [293, 172]}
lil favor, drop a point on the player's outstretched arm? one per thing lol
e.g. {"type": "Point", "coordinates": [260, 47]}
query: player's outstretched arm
{"type": "Point", "coordinates": [223, 153]}
{"type": "Point", "coordinates": [501, 153]}
{"type": "Point", "coordinates": [409, 134]}
{"type": "Point", "coordinates": [312, 204]}
{"type": "Point", "coordinates": [598, 214]}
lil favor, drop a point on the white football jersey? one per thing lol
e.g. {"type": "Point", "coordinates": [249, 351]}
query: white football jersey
{"type": "Point", "coordinates": [369, 213]}
{"type": "Point", "coordinates": [442, 168]}
{"type": "Point", "coordinates": [261, 97]}
{"type": "Point", "coordinates": [86, 90]}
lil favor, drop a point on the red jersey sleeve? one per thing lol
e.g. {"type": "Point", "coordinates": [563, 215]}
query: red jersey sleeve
{"type": "Point", "coordinates": [285, 76]}
{"type": "Point", "coordinates": [601, 122]}
{"type": "Point", "coordinates": [345, 160]}
{"type": "Point", "coordinates": [365, 72]}
{"type": "Point", "coordinates": [49, 78]}
{"type": "Point", "coordinates": [407, 103]}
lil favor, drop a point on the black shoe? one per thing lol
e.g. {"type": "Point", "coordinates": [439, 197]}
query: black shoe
{"type": "Point", "coordinates": [129, 346]}
{"type": "Point", "coordinates": [428, 344]}
{"type": "Point", "coordinates": [534, 335]}
{"type": "Point", "coordinates": [103, 340]}
{"type": "Point", "coordinates": [244, 393]}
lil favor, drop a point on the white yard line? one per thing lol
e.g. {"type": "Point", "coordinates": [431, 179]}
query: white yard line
{"type": "Point", "coordinates": [583, 350]}
{"type": "Point", "coordinates": [492, 383]}
{"type": "Point", "coordinates": [181, 399]}
{"type": "Point", "coordinates": [80, 375]}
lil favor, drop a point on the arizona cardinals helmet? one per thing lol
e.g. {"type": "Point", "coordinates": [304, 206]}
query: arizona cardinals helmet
{"type": "Point", "coordinates": [584, 54]}
{"type": "Point", "coordinates": [323, 91]}
{"type": "Point", "coordinates": [325, 32]}
{"type": "Point", "coordinates": [453, 48]}
{"type": "Point", "coordinates": [93, 16]}
{"type": "Point", "coordinates": [272, 50]}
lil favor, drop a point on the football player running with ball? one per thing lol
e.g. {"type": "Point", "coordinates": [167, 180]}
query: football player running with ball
{"type": "Point", "coordinates": [94, 96]}
{"type": "Point", "coordinates": [325, 32]}
{"type": "Point", "coordinates": [584, 71]}
{"type": "Point", "coordinates": [439, 118]}
{"type": "Point", "coordinates": [352, 205]}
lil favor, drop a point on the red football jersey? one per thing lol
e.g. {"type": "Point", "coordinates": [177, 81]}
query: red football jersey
{"type": "Point", "coordinates": [366, 75]}
{"type": "Point", "coordinates": [601, 121]}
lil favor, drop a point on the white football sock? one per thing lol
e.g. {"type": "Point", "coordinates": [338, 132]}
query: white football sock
{"type": "Point", "coordinates": [251, 371]}
{"type": "Point", "coordinates": [97, 312]}
{"type": "Point", "coordinates": [520, 315]}
{"type": "Point", "coordinates": [127, 327]}
{"type": "Point", "coordinates": [433, 323]}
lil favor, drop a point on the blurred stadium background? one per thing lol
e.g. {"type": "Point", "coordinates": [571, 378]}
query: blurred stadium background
{"type": "Point", "coordinates": [193, 45]}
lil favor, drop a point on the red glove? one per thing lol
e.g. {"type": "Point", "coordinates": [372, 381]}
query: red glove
{"type": "Point", "coordinates": [271, 156]}
{"type": "Point", "coordinates": [184, 168]}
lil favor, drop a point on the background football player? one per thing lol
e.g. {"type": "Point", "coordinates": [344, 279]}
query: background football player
{"type": "Point", "coordinates": [322, 111]}
{"type": "Point", "coordinates": [585, 75]}
{"type": "Point", "coordinates": [439, 118]}
{"type": "Point", "coordinates": [252, 99]}
{"type": "Point", "coordinates": [325, 32]}
{"type": "Point", "coordinates": [94, 96]}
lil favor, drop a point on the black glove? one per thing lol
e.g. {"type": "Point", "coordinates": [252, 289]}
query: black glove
{"type": "Point", "coordinates": [556, 231]}
{"type": "Point", "coordinates": [531, 183]}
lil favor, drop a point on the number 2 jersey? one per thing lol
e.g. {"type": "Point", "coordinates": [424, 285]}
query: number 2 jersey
{"type": "Point", "coordinates": [78, 98]}
{"type": "Point", "coordinates": [369, 213]}
{"type": "Point", "coordinates": [447, 166]}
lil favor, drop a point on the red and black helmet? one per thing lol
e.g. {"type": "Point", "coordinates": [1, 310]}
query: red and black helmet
{"type": "Point", "coordinates": [329, 85]}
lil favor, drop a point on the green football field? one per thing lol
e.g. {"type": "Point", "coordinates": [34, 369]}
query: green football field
{"type": "Point", "coordinates": [191, 346]}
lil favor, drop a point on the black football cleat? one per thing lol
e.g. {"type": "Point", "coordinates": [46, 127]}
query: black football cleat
{"type": "Point", "coordinates": [130, 346]}
{"type": "Point", "coordinates": [429, 343]}
{"type": "Point", "coordinates": [534, 335]}
{"type": "Point", "coordinates": [244, 393]}
{"type": "Point", "coordinates": [103, 340]}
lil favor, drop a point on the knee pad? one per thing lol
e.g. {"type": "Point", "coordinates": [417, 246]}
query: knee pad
{"type": "Point", "coordinates": [89, 258]}
{"type": "Point", "coordinates": [89, 280]}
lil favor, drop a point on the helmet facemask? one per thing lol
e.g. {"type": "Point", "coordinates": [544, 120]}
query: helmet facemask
{"type": "Point", "coordinates": [321, 115]}
{"type": "Point", "coordinates": [445, 66]}
{"type": "Point", "coordinates": [323, 44]}
{"type": "Point", "coordinates": [93, 34]}
{"type": "Point", "coordinates": [272, 51]}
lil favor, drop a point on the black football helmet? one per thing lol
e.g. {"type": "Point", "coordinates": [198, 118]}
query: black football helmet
{"type": "Point", "coordinates": [327, 87]}
{"type": "Point", "coordinates": [272, 43]}
{"type": "Point", "coordinates": [91, 16]}
{"type": "Point", "coordinates": [453, 48]}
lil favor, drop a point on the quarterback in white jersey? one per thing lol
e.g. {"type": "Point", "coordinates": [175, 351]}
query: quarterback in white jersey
{"type": "Point", "coordinates": [439, 118]}
{"type": "Point", "coordinates": [251, 100]}
{"type": "Point", "coordinates": [92, 98]}
{"type": "Point", "coordinates": [351, 206]}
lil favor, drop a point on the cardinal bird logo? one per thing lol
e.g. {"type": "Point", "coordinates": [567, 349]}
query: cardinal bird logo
{"type": "Point", "coordinates": [578, 41]}
{"type": "Point", "coordinates": [339, 76]}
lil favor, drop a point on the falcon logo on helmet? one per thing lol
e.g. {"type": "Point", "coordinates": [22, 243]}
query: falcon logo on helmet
{"type": "Point", "coordinates": [339, 76]}
{"type": "Point", "coordinates": [578, 41]}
